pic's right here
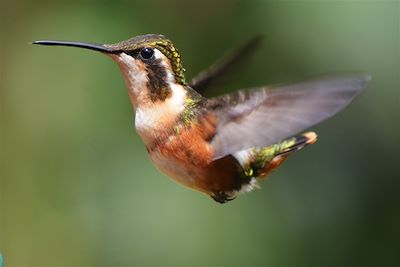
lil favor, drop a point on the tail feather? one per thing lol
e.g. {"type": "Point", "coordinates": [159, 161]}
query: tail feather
{"type": "Point", "coordinates": [263, 160]}
{"type": "Point", "coordinates": [297, 142]}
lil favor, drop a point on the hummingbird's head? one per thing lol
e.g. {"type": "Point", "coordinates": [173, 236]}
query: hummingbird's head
{"type": "Point", "coordinates": [150, 63]}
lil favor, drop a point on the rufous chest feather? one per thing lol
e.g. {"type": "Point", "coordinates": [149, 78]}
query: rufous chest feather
{"type": "Point", "coordinates": [188, 143]}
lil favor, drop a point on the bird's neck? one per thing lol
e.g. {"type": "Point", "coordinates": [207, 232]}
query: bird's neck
{"type": "Point", "coordinates": [156, 96]}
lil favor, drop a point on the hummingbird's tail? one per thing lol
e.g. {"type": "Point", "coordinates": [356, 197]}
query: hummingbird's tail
{"type": "Point", "coordinates": [263, 160]}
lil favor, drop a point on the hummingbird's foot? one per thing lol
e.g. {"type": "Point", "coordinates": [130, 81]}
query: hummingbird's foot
{"type": "Point", "coordinates": [222, 197]}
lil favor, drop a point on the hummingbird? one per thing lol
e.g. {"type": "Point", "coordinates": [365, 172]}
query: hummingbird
{"type": "Point", "coordinates": [220, 146]}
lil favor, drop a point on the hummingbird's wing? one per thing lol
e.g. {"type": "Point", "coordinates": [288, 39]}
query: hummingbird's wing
{"type": "Point", "coordinates": [264, 116]}
{"type": "Point", "coordinates": [202, 81]}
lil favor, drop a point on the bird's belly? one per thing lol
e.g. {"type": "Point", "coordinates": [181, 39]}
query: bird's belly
{"type": "Point", "coordinates": [180, 171]}
{"type": "Point", "coordinates": [194, 169]}
{"type": "Point", "coordinates": [186, 158]}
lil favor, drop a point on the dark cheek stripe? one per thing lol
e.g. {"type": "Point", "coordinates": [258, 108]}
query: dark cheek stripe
{"type": "Point", "coordinates": [157, 82]}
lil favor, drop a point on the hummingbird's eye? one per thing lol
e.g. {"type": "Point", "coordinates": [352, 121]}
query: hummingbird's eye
{"type": "Point", "coordinates": [147, 53]}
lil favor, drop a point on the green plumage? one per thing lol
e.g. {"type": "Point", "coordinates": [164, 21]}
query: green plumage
{"type": "Point", "coordinates": [261, 158]}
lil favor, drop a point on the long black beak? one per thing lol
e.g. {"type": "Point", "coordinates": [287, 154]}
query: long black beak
{"type": "Point", "coordinates": [96, 47]}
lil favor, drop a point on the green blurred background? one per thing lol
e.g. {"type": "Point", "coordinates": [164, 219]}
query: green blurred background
{"type": "Point", "coordinates": [76, 185]}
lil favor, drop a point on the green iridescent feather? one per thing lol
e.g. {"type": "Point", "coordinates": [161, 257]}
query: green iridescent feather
{"type": "Point", "coordinates": [261, 157]}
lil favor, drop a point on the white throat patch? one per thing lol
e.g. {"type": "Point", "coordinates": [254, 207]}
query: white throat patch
{"type": "Point", "coordinates": [134, 74]}
{"type": "Point", "coordinates": [151, 117]}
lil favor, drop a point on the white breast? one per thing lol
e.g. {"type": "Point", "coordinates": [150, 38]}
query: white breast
{"type": "Point", "coordinates": [152, 118]}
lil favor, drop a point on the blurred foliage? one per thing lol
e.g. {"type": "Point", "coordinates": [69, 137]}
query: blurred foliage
{"type": "Point", "coordinates": [76, 186]}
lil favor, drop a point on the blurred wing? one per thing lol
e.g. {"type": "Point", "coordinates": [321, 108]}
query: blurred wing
{"type": "Point", "coordinates": [264, 116]}
{"type": "Point", "coordinates": [204, 79]}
